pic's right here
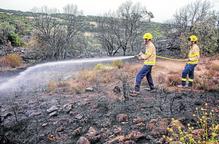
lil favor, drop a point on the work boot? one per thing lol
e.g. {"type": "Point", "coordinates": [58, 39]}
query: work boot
{"type": "Point", "coordinates": [190, 84]}
{"type": "Point", "coordinates": [182, 86]}
{"type": "Point", "coordinates": [150, 89]}
{"type": "Point", "coordinates": [134, 93]}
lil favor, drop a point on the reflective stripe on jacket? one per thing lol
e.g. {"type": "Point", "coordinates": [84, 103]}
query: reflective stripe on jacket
{"type": "Point", "coordinates": [150, 54]}
{"type": "Point", "coordinates": [194, 54]}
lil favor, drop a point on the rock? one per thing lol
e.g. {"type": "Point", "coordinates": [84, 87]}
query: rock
{"type": "Point", "coordinates": [117, 129]}
{"type": "Point", "coordinates": [79, 116]}
{"type": "Point", "coordinates": [67, 108]}
{"type": "Point", "coordinates": [138, 120]}
{"type": "Point", "coordinates": [158, 127]}
{"type": "Point", "coordinates": [91, 133]}
{"type": "Point", "coordinates": [134, 135]}
{"type": "Point", "coordinates": [35, 114]}
{"type": "Point", "coordinates": [51, 137]}
{"type": "Point", "coordinates": [44, 124]}
{"type": "Point", "coordinates": [89, 89]}
{"type": "Point", "coordinates": [83, 140]}
{"type": "Point", "coordinates": [53, 114]}
{"type": "Point", "coordinates": [117, 139]}
{"type": "Point", "coordinates": [60, 129]}
{"type": "Point", "coordinates": [138, 126]}
{"type": "Point", "coordinates": [52, 109]}
{"type": "Point", "coordinates": [198, 132]}
{"type": "Point", "coordinates": [122, 117]}
{"type": "Point", "coordinates": [77, 131]}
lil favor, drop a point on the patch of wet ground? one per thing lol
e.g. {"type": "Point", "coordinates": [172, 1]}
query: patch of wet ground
{"type": "Point", "coordinates": [40, 118]}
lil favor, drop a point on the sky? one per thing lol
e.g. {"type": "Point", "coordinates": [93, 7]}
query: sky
{"type": "Point", "coordinates": [163, 10]}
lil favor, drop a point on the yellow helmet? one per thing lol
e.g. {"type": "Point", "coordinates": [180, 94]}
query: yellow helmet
{"type": "Point", "coordinates": [147, 36]}
{"type": "Point", "coordinates": [193, 38]}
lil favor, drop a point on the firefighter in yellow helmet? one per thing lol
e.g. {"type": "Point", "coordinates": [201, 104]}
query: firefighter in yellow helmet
{"type": "Point", "coordinates": [193, 59]}
{"type": "Point", "coordinates": [149, 58]}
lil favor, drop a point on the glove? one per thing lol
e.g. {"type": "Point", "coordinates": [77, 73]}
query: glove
{"type": "Point", "coordinates": [141, 53]}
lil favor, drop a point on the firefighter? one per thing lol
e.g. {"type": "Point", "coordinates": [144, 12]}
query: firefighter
{"type": "Point", "coordinates": [149, 58]}
{"type": "Point", "coordinates": [193, 59]}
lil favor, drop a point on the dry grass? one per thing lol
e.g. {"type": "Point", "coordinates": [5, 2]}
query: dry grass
{"type": "Point", "coordinates": [11, 60]}
{"type": "Point", "coordinates": [215, 65]}
{"type": "Point", "coordinates": [88, 75]}
{"type": "Point", "coordinates": [109, 75]}
{"type": "Point", "coordinates": [173, 79]}
{"type": "Point", "coordinates": [75, 86]}
{"type": "Point", "coordinates": [118, 64]}
{"type": "Point", "coordinates": [52, 86]}
{"type": "Point", "coordinates": [161, 78]}
{"type": "Point", "coordinates": [103, 67]}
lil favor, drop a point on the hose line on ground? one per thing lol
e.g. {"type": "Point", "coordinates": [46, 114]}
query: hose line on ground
{"type": "Point", "coordinates": [181, 60]}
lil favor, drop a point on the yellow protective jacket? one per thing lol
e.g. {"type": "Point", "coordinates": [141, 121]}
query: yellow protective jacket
{"type": "Point", "coordinates": [194, 54]}
{"type": "Point", "coordinates": [150, 54]}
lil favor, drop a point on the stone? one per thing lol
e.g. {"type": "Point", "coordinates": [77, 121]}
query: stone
{"type": "Point", "coordinates": [83, 140]}
{"type": "Point", "coordinates": [117, 129]}
{"type": "Point", "coordinates": [67, 108]}
{"type": "Point", "coordinates": [89, 89]}
{"type": "Point", "coordinates": [122, 117]}
{"type": "Point", "coordinates": [60, 129]}
{"type": "Point", "coordinates": [79, 116]}
{"type": "Point", "coordinates": [35, 114]}
{"type": "Point", "coordinates": [51, 137]}
{"type": "Point", "coordinates": [158, 127]}
{"type": "Point", "coordinates": [198, 132]}
{"type": "Point", "coordinates": [91, 133]}
{"type": "Point", "coordinates": [138, 120]}
{"type": "Point", "coordinates": [52, 109]}
{"type": "Point", "coordinates": [53, 114]}
{"type": "Point", "coordinates": [44, 124]}
{"type": "Point", "coordinates": [134, 135]}
{"type": "Point", "coordinates": [77, 131]}
{"type": "Point", "coordinates": [139, 126]}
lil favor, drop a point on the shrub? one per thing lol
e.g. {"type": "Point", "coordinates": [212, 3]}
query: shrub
{"type": "Point", "coordinates": [52, 86]}
{"type": "Point", "coordinates": [88, 75]}
{"type": "Point", "coordinates": [206, 130]}
{"type": "Point", "coordinates": [11, 60]}
{"type": "Point", "coordinates": [103, 67]}
{"type": "Point", "coordinates": [15, 39]}
{"type": "Point", "coordinates": [215, 66]}
{"type": "Point", "coordinates": [173, 79]}
{"type": "Point", "coordinates": [118, 64]}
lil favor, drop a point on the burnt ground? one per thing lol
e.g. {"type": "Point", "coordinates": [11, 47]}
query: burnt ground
{"type": "Point", "coordinates": [25, 118]}
{"type": "Point", "coordinates": [105, 114]}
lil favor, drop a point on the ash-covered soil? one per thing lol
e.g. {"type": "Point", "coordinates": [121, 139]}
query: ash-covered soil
{"type": "Point", "coordinates": [97, 117]}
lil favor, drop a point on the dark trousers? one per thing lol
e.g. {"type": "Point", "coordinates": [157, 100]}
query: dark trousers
{"type": "Point", "coordinates": [145, 71]}
{"type": "Point", "coordinates": [188, 71]}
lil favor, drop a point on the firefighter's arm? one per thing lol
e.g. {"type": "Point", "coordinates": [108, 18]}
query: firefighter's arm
{"type": "Point", "coordinates": [147, 54]}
